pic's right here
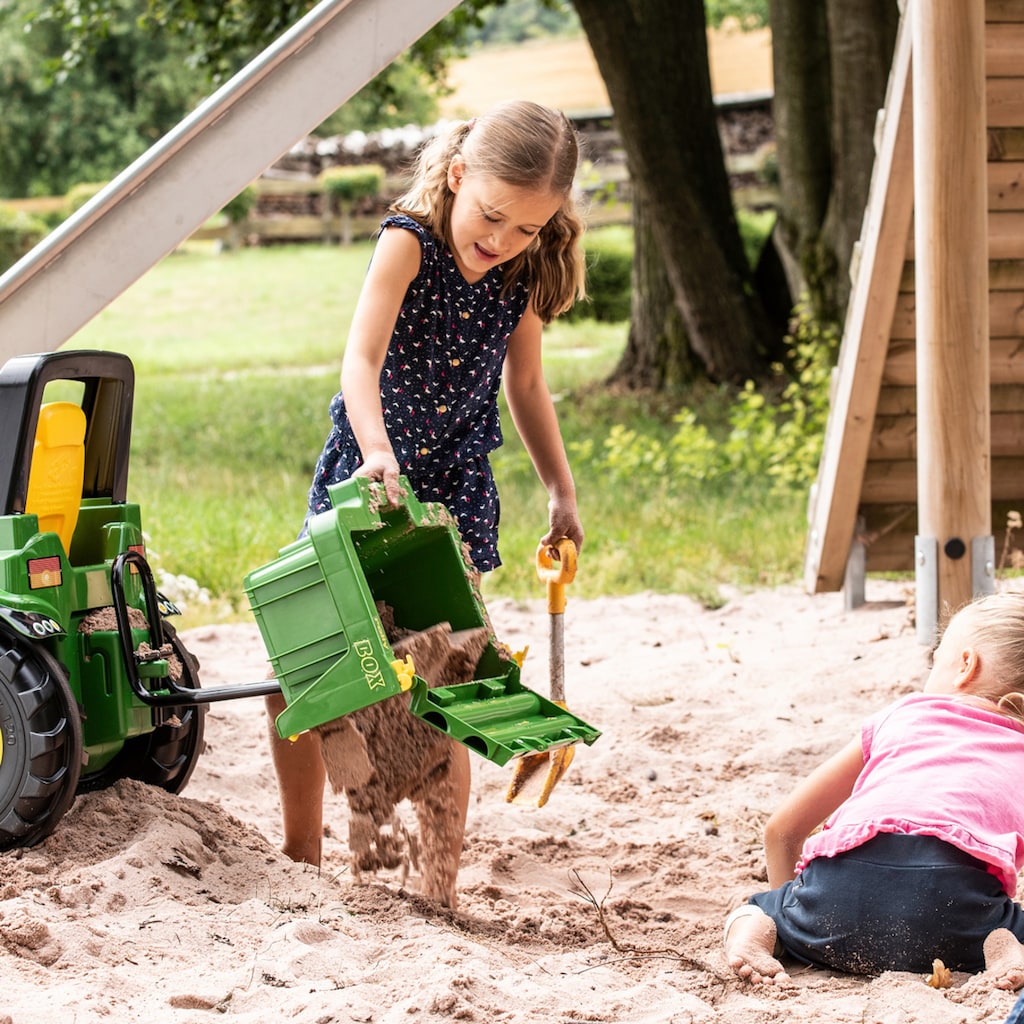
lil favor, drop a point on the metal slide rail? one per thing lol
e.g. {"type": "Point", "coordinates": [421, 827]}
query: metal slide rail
{"type": "Point", "coordinates": [207, 159]}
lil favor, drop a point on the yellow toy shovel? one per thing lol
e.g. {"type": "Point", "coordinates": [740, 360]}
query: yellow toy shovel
{"type": "Point", "coordinates": [536, 775]}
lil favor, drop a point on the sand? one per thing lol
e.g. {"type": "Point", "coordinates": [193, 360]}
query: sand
{"type": "Point", "coordinates": [606, 905]}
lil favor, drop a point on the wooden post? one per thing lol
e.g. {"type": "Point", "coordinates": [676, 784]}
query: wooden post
{"type": "Point", "coordinates": [951, 259]}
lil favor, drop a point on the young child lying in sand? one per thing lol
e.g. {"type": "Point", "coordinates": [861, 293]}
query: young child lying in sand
{"type": "Point", "coordinates": [918, 859]}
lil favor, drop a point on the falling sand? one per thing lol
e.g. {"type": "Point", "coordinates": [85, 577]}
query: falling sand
{"type": "Point", "coordinates": [381, 755]}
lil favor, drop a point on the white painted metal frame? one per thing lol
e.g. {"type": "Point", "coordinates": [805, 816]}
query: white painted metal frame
{"type": "Point", "coordinates": [186, 177]}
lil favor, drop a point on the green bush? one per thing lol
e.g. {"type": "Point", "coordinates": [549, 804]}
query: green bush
{"type": "Point", "coordinates": [350, 184]}
{"type": "Point", "coordinates": [346, 186]}
{"type": "Point", "coordinates": [19, 232]}
{"type": "Point", "coordinates": [609, 256]}
{"type": "Point", "coordinates": [775, 442]}
{"type": "Point", "coordinates": [238, 209]}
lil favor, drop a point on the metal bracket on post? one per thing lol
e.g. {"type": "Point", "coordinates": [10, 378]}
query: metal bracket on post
{"type": "Point", "coordinates": [926, 576]}
{"type": "Point", "coordinates": [856, 569]}
{"type": "Point", "coordinates": [983, 565]}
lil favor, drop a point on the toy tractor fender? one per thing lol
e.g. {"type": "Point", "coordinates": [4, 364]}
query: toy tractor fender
{"type": "Point", "coordinates": [37, 624]}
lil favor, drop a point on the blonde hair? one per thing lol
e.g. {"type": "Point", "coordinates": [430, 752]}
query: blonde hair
{"type": "Point", "coordinates": [996, 623]}
{"type": "Point", "coordinates": [524, 145]}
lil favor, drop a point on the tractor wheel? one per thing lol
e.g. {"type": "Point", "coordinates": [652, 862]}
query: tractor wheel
{"type": "Point", "coordinates": [166, 756]}
{"type": "Point", "coordinates": [40, 743]}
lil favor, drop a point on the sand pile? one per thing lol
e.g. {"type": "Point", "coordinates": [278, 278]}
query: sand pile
{"type": "Point", "coordinates": [144, 906]}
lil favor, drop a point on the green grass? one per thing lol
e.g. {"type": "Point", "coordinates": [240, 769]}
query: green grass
{"type": "Point", "coordinates": [237, 356]}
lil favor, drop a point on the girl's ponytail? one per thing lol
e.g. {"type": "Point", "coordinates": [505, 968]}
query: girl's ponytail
{"type": "Point", "coordinates": [428, 198]}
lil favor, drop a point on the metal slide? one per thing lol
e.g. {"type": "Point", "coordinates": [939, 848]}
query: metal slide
{"type": "Point", "coordinates": [186, 177]}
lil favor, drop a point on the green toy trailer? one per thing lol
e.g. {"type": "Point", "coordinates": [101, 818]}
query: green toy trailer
{"type": "Point", "coordinates": [316, 606]}
{"type": "Point", "coordinates": [96, 685]}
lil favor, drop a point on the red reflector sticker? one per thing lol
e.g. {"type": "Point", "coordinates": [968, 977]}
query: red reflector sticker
{"type": "Point", "coordinates": [139, 549]}
{"type": "Point", "coordinates": [44, 572]}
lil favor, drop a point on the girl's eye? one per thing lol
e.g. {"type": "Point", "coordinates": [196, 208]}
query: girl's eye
{"type": "Point", "coordinates": [490, 220]}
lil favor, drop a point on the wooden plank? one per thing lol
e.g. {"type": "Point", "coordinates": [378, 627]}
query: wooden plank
{"type": "Point", "coordinates": [835, 495]}
{"type": "Point", "coordinates": [895, 437]}
{"type": "Point", "coordinates": [1005, 239]}
{"type": "Point", "coordinates": [1006, 362]}
{"type": "Point", "coordinates": [895, 481]}
{"type": "Point", "coordinates": [1005, 143]}
{"type": "Point", "coordinates": [892, 553]}
{"type": "Point", "coordinates": [1004, 49]}
{"type": "Point", "coordinates": [897, 400]}
{"type": "Point", "coordinates": [1006, 275]}
{"type": "Point", "coordinates": [902, 401]}
{"type": "Point", "coordinates": [890, 482]}
{"type": "Point", "coordinates": [1004, 10]}
{"type": "Point", "coordinates": [1004, 102]}
{"type": "Point", "coordinates": [889, 532]}
{"type": "Point", "coordinates": [1006, 180]}
{"type": "Point", "coordinates": [1005, 313]}
{"type": "Point", "coordinates": [1003, 276]}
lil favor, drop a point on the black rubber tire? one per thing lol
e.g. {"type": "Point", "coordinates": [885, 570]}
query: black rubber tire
{"type": "Point", "coordinates": [41, 736]}
{"type": "Point", "coordinates": [167, 756]}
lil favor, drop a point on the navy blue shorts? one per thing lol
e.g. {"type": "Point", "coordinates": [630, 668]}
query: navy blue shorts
{"type": "Point", "coordinates": [896, 903]}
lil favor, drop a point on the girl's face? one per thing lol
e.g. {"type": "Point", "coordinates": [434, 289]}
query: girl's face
{"type": "Point", "coordinates": [492, 222]}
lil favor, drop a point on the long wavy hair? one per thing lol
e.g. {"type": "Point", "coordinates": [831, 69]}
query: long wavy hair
{"type": "Point", "coordinates": [524, 145]}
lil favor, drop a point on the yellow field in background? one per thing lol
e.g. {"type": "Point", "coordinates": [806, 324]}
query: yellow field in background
{"type": "Point", "coordinates": [562, 73]}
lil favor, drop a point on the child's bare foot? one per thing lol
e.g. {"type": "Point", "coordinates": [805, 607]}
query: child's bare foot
{"type": "Point", "coordinates": [750, 945]}
{"type": "Point", "coordinates": [1004, 960]}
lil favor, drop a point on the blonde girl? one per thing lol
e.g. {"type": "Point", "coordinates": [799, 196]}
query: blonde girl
{"type": "Point", "coordinates": [480, 253]}
{"type": "Point", "coordinates": [924, 836]}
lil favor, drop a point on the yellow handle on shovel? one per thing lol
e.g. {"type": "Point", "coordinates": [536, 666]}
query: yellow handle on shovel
{"type": "Point", "coordinates": [557, 572]}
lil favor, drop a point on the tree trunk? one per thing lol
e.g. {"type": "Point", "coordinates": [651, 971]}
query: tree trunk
{"type": "Point", "coordinates": [657, 354]}
{"type": "Point", "coordinates": [831, 64]}
{"type": "Point", "coordinates": [802, 112]}
{"type": "Point", "coordinates": [862, 36]}
{"type": "Point", "coordinates": [654, 61]}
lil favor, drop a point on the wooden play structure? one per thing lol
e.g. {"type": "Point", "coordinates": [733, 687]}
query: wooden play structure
{"type": "Point", "coordinates": [924, 451]}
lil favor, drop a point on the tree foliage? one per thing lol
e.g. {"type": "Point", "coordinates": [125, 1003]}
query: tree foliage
{"type": "Point", "coordinates": [222, 35]}
{"type": "Point", "coordinates": [90, 119]}
{"type": "Point", "coordinates": [748, 14]}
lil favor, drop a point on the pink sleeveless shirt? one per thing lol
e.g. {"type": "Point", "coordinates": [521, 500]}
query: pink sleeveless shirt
{"type": "Point", "coordinates": [937, 765]}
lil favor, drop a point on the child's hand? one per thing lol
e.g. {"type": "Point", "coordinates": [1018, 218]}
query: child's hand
{"type": "Point", "coordinates": [564, 521]}
{"type": "Point", "coordinates": [383, 467]}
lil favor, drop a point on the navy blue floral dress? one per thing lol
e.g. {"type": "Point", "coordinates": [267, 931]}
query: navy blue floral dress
{"type": "Point", "coordinates": [439, 391]}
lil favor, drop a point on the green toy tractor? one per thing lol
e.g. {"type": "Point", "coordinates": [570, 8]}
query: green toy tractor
{"type": "Point", "coordinates": [96, 685]}
{"type": "Point", "coordinates": [79, 707]}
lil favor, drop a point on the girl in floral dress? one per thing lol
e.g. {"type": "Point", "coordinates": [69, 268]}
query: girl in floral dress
{"type": "Point", "coordinates": [480, 253]}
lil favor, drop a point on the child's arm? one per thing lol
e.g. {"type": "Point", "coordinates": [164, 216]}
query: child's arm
{"type": "Point", "coordinates": [806, 807]}
{"type": "Point", "coordinates": [396, 261]}
{"type": "Point", "coordinates": [529, 401]}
